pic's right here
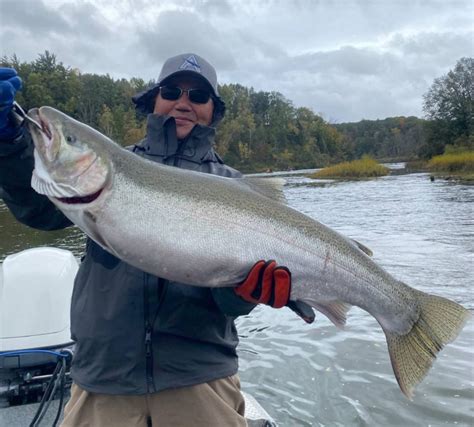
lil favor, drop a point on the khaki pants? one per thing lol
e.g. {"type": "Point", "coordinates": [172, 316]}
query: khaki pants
{"type": "Point", "coordinates": [217, 403]}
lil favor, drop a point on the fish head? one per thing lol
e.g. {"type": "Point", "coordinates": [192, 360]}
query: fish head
{"type": "Point", "coordinates": [71, 164]}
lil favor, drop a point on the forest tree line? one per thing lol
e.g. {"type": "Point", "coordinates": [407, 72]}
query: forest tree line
{"type": "Point", "coordinates": [261, 129]}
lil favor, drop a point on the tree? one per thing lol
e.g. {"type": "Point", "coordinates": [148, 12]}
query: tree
{"type": "Point", "coordinates": [261, 130]}
{"type": "Point", "coordinates": [106, 121]}
{"type": "Point", "coordinates": [449, 105]}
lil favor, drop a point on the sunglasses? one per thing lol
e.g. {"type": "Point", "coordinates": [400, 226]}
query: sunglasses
{"type": "Point", "coordinates": [196, 96]}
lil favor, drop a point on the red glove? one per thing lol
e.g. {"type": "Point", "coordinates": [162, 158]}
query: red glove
{"type": "Point", "coordinates": [266, 284]}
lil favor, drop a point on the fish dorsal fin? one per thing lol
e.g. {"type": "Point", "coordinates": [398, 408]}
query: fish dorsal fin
{"type": "Point", "coordinates": [362, 247]}
{"type": "Point", "coordinates": [268, 187]}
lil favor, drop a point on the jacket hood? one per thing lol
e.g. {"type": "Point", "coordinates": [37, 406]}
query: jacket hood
{"type": "Point", "coordinates": [195, 147]}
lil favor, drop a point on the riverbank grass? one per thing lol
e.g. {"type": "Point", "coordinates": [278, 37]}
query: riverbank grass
{"type": "Point", "coordinates": [457, 165]}
{"type": "Point", "coordinates": [357, 169]}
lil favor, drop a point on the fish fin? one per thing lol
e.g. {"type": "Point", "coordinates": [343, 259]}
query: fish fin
{"type": "Point", "coordinates": [439, 322]}
{"type": "Point", "coordinates": [302, 309]}
{"type": "Point", "coordinates": [336, 311]}
{"type": "Point", "coordinates": [268, 187]}
{"type": "Point", "coordinates": [363, 248]}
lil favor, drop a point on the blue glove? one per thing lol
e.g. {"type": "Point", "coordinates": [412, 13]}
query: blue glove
{"type": "Point", "coordinates": [10, 83]}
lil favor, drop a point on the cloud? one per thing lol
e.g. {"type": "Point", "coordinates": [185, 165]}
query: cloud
{"type": "Point", "coordinates": [348, 59]}
{"type": "Point", "coordinates": [183, 31]}
{"type": "Point", "coordinates": [215, 7]}
{"type": "Point", "coordinates": [85, 20]}
{"type": "Point", "coordinates": [434, 47]}
{"type": "Point", "coordinates": [32, 17]}
{"type": "Point", "coordinates": [376, 81]}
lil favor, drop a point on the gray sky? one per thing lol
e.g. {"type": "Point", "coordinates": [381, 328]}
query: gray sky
{"type": "Point", "coordinates": [345, 59]}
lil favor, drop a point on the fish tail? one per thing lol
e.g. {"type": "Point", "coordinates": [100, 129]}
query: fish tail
{"type": "Point", "coordinates": [439, 322]}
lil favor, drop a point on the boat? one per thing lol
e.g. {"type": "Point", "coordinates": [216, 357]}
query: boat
{"type": "Point", "coordinates": [35, 345]}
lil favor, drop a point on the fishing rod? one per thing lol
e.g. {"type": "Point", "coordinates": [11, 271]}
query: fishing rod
{"type": "Point", "coordinates": [20, 115]}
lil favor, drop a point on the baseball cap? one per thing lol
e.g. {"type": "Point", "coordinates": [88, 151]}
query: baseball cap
{"type": "Point", "coordinates": [185, 63]}
{"type": "Point", "coordinates": [190, 63]}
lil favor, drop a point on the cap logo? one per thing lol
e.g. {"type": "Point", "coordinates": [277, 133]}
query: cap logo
{"type": "Point", "coordinates": [190, 63]}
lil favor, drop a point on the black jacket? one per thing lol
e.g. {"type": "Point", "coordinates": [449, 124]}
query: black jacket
{"type": "Point", "coordinates": [136, 333]}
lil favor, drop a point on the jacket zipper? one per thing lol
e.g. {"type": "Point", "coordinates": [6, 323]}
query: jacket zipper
{"type": "Point", "coordinates": [149, 359]}
{"type": "Point", "coordinates": [153, 299]}
{"type": "Point", "coordinates": [148, 334]}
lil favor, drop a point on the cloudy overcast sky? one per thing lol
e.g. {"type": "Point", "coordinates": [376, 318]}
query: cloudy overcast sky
{"type": "Point", "coordinates": [345, 59]}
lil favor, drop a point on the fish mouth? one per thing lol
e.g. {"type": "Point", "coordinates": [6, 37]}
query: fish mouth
{"type": "Point", "coordinates": [80, 200]}
{"type": "Point", "coordinates": [45, 126]}
{"type": "Point", "coordinates": [44, 140]}
{"type": "Point", "coordinates": [35, 118]}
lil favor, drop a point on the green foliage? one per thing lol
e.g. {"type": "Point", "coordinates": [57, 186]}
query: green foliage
{"type": "Point", "coordinates": [449, 104]}
{"type": "Point", "coordinates": [264, 130]}
{"type": "Point", "coordinates": [392, 138]}
{"type": "Point", "coordinates": [99, 101]}
{"type": "Point", "coordinates": [261, 129]}
{"type": "Point", "coordinates": [362, 168]}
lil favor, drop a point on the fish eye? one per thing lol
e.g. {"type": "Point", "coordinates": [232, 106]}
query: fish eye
{"type": "Point", "coordinates": [71, 139]}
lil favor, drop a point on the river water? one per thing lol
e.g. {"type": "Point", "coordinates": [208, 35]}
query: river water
{"type": "Point", "coordinates": [316, 375]}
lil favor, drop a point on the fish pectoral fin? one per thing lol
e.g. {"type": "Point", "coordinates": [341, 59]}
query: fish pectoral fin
{"type": "Point", "coordinates": [89, 221]}
{"type": "Point", "coordinates": [305, 311]}
{"type": "Point", "coordinates": [439, 322]}
{"type": "Point", "coordinates": [336, 311]}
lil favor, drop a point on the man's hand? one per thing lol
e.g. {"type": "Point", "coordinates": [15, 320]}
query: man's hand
{"type": "Point", "coordinates": [10, 83]}
{"type": "Point", "coordinates": [267, 284]}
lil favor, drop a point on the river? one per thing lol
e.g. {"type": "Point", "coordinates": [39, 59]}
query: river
{"type": "Point", "coordinates": [316, 375]}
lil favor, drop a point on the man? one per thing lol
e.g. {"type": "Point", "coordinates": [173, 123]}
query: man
{"type": "Point", "coordinates": [147, 348]}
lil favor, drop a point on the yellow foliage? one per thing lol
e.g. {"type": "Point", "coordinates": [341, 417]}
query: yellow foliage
{"type": "Point", "coordinates": [134, 135]}
{"type": "Point", "coordinates": [453, 162]}
{"type": "Point", "coordinates": [362, 168]}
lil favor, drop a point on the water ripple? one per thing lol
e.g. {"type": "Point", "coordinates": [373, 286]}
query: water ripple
{"type": "Point", "coordinates": [421, 232]}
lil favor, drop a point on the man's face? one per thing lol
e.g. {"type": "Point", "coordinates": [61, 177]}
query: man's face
{"type": "Point", "coordinates": [186, 113]}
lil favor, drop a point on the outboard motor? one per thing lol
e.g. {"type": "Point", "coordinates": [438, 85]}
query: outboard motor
{"type": "Point", "coordinates": [35, 295]}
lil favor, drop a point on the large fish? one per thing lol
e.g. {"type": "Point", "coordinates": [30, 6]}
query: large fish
{"type": "Point", "coordinates": [206, 230]}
